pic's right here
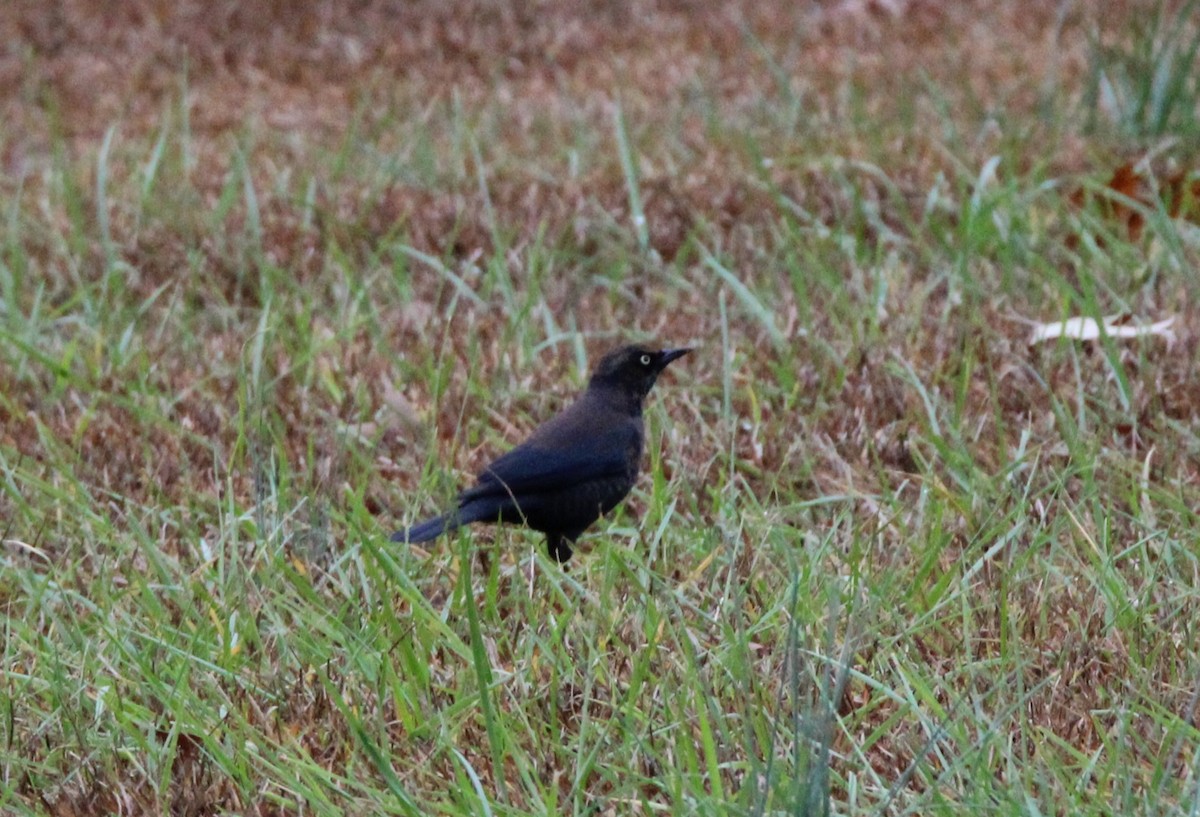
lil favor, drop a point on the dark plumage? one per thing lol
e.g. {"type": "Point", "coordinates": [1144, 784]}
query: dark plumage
{"type": "Point", "coordinates": [574, 468]}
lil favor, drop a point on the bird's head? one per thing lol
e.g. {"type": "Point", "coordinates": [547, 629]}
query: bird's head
{"type": "Point", "coordinates": [633, 369]}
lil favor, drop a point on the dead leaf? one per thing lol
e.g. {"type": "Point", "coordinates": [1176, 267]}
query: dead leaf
{"type": "Point", "coordinates": [1114, 326]}
{"type": "Point", "coordinates": [1136, 187]}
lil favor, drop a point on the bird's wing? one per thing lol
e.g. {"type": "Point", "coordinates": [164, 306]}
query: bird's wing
{"type": "Point", "coordinates": [553, 461]}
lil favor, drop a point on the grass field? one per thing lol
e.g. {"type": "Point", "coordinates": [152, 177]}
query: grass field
{"type": "Point", "coordinates": [276, 278]}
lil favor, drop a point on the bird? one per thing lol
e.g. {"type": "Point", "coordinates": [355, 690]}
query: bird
{"type": "Point", "coordinates": [572, 469]}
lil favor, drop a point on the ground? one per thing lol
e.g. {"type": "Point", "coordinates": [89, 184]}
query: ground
{"type": "Point", "coordinates": [276, 278]}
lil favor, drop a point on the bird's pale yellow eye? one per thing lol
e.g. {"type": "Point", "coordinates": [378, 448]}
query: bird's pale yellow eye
{"type": "Point", "coordinates": [645, 360]}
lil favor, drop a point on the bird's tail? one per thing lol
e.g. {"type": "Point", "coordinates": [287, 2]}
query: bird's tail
{"type": "Point", "coordinates": [427, 530]}
{"type": "Point", "coordinates": [472, 511]}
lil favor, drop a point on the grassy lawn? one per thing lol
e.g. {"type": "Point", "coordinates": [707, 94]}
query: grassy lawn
{"type": "Point", "coordinates": [276, 278]}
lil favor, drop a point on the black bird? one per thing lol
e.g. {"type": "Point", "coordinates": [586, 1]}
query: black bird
{"type": "Point", "coordinates": [573, 468]}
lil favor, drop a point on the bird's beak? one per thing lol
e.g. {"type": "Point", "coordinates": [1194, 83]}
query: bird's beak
{"type": "Point", "coordinates": [667, 355]}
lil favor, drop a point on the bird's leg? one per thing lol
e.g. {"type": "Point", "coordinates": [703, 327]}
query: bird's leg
{"type": "Point", "coordinates": [559, 547]}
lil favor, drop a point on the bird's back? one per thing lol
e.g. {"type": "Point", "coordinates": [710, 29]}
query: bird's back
{"type": "Point", "coordinates": [573, 468]}
{"type": "Point", "coordinates": [587, 441]}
